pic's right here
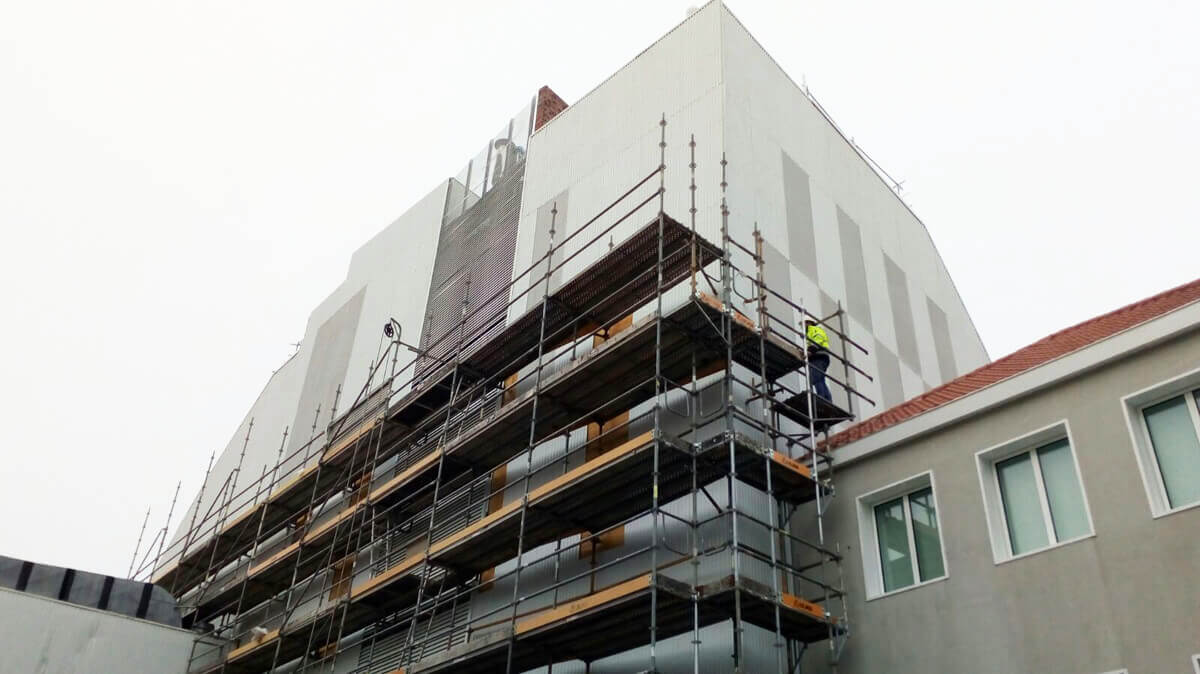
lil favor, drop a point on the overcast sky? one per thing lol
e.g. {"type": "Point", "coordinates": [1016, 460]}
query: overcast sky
{"type": "Point", "coordinates": [182, 182]}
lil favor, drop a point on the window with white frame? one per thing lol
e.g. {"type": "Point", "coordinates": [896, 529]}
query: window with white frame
{"type": "Point", "coordinates": [901, 536]}
{"type": "Point", "coordinates": [1033, 496]}
{"type": "Point", "coordinates": [1166, 425]}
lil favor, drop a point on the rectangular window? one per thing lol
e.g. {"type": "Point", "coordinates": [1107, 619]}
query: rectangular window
{"type": "Point", "coordinates": [899, 524]}
{"type": "Point", "coordinates": [1043, 504]}
{"type": "Point", "coordinates": [1175, 441]}
{"type": "Point", "coordinates": [1032, 492]}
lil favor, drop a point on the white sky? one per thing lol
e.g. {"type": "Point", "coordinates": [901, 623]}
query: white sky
{"type": "Point", "coordinates": [182, 182]}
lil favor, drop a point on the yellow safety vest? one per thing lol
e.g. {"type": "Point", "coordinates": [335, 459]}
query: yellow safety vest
{"type": "Point", "coordinates": [817, 336]}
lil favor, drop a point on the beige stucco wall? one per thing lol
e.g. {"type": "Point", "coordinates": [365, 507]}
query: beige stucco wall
{"type": "Point", "coordinates": [1129, 597]}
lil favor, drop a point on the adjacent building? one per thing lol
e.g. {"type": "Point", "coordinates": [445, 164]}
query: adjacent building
{"type": "Point", "coordinates": [1039, 514]}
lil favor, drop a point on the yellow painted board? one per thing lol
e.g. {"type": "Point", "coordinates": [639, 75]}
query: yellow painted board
{"type": "Point", "coordinates": [329, 524]}
{"type": "Point", "coordinates": [802, 605]}
{"type": "Point", "coordinates": [290, 483]}
{"type": "Point", "coordinates": [474, 528]}
{"type": "Point", "coordinates": [385, 577]}
{"type": "Point", "coordinates": [391, 485]}
{"type": "Point", "coordinates": [583, 604]}
{"type": "Point", "coordinates": [791, 464]}
{"type": "Point", "coordinates": [246, 649]}
{"type": "Point", "coordinates": [602, 460]}
{"type": "Point", "coordinates": [245, 514]}
{"type": "Point", "coordinates": [349, 440]}
{"type": "Point", "coordinates": [282, 553]}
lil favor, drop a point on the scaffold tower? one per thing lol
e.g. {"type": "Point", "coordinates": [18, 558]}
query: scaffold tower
{"type": "Point", "coordinates": [635, 457]}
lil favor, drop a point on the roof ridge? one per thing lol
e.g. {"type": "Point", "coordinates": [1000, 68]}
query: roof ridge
{"type": "Point", "coordinates": [1071, 338]}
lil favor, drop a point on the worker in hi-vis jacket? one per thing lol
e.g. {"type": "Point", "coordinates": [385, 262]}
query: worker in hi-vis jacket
{"type": "Point", "coordinates": [818, 359]}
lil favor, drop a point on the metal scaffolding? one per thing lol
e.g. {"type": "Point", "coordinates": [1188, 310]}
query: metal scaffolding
{"type": "Point", "coordinates": [474, 517]}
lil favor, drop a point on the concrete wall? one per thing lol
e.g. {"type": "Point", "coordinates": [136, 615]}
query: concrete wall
{"type": "Point", "coordinates": [1125, 598]}
{"type": "Point", "coordinates": [46, 636]}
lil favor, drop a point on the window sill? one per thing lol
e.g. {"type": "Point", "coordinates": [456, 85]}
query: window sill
{"type": "Point", "coordinates": [909, 587]}
{"type": "Point", "coordinates": [1048, 548]}
{"type": "Point", "coordinates": [1180, 509]}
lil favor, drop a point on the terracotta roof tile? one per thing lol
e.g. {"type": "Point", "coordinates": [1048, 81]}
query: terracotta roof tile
{"type": "Point", "coordinates": [1040, 352]}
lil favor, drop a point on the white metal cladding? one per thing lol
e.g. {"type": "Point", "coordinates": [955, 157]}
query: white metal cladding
{"type": "Point", "coordinates": [771, 129]}
{"type": "Point", "coordinates": [45, 635]}
{"type": "Point", "coordinates": [393, 269]}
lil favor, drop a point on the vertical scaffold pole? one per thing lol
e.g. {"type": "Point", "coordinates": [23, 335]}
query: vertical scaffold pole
{"type": "Point", "coordinates": [731, 476]}
{"type": "Point", "coordinates": [167, 526]}
{"type": "Point", "coordinates": [191, 530]}
{"type": "Point", "coordinates": [455, 384]}
{"type": "Point", "coordinates": [137, 546]}
{"type": "Point", "coordinates": [658, 396]}
{"type": "Point", "coordinates": [693, 414]}
{"type": "Point", "coordinates": [764, 326]}
{"type": "Point", "coordinates": [537, 386]}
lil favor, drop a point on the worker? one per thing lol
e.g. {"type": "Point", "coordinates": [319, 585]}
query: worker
{"type": "Point", "coordinates": [818, 358]}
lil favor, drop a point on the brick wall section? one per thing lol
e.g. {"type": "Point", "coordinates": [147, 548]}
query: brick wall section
{"type": "Point", "coordinates": [1056, 345]}
{"type": "Point", "coordinates": [548, 105]}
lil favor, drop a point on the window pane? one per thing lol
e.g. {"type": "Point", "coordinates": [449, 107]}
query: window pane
{"type": "Point", "coordinates": [1174, 438]}
{"type": "Point", "coordinates": [893, 545]}
{"type": "Point", "coordinates": [1022, 507]}
{"type": "Point", "coordinates": [1063, 492]}
{"type": "Point", "coordinates": [925, 535]}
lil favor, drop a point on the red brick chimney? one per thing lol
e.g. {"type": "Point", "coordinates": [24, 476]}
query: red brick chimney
{"type": "Point", "coordinates": [548, 105]}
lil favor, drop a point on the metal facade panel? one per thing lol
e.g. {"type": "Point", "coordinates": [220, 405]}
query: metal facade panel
{"type": "Point", "coordinates": [802, 240]}
{"type": "Point", "coordinates": [394, 266]}
{"type": "Point", "coordinates": [327, 367]}
{"type": "Point", "coordinates": [52, 637]}
{"type": "Point", "coordinates": [942, 341]}
{"type": "Point", "coordinates": [773, 130]}
{"type": "Point", "coordinates": [474, 263]}
{"type": "Point", "coordinates": [902, 314]}
{"type": "Point", "coordinates": [858, 300]}
{"type": "Point", "coordinates": [608, 140]}
{"type": "Point", "coordinates": [891, 385]}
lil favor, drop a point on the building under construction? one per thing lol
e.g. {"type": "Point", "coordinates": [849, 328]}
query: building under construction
{"type": "Point", "coordinates": [559, 414]}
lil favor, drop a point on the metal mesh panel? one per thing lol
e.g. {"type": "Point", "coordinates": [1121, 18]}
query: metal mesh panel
{"type": "Point", "coordinates": [474, 261]}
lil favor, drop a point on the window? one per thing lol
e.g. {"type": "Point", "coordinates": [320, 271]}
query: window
{"type": "Point", "coordinates": [1032, 493]}
{"type": "Point", "coordinates": [1196, 663]}
{"type": "Point", "coordinates": [1165, 423]}
{"type": "Point", "coordinates": [1172, 426]}
{"type": "Point", "coordinates": [901, 536]}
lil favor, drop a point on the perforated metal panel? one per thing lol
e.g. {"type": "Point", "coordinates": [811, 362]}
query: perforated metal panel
{"type": "Point", "coordinates": [474, 262]}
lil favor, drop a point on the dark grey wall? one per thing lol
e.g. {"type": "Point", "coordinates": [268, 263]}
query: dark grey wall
{"type": "Point", "coordinates": [118, 595]}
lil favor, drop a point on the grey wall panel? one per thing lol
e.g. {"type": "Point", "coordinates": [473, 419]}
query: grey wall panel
{"type": "Point", "coordinates": [902, 314]}
{"type": "Point", "coordinates": [553, 212]}
{"type": "Point", "coordinates": [327, 367]}
{"type": "Point", "coordinates": [941, 341]}
{"type": "Point", "coordinates": [778, 274]}
{"type": "Point", "coordinates": [888, 374]}
{"type": "Point", "coordinates": [802, 241]}
{"type": "Point", "coordinates": [53, 637]}
{"type": "Point", "coordinates": [858, 300]}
